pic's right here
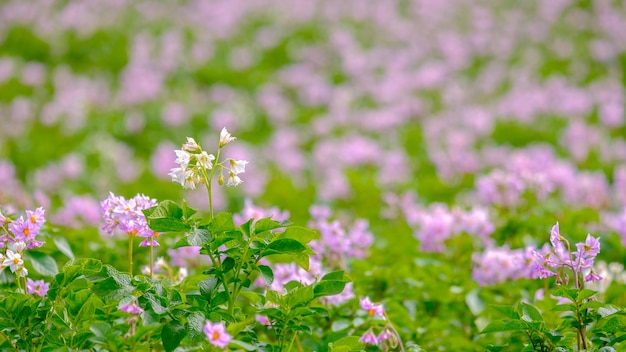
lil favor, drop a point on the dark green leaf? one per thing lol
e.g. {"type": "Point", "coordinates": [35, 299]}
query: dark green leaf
{"type": "Point", "coordinates": [228, 264]}
{"type": "Point", "coordinates": [171, 335]}
{"type": "Point", "coordinates": [219, 299]}
{"type": "Point", "coordinates": [585, 293]}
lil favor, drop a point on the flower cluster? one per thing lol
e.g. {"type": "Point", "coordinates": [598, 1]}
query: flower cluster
{"type": "Point", "coordinates": [388, 336]}
{"type": "Point", "coordinates": [336, 242]}
{"type": "Point", "coordinates": [22, 229]}
{"type": "Point", "coordinates": [18, 235]}
{"type": "Point", "coordinates": [39, 287]}
{"type": "Point", "coordinates": [496, 265]}
{"type": "Point", "coordinates": [127, 216]}
{"type": "Point", "coordinates": [194, 163]}
{"type": "Point", "coordinates": [553, 260]}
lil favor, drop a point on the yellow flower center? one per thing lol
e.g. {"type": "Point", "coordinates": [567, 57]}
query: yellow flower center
{"type": "Point", "coordinates": [372, 312]}
{"type": "Point", "coordinates": [33, 219]}
{"type": "Point", "coordinates": [216, 336]}
{"type": "Point", "coordinates": [26, 231]}
{"type": "Point", "coordinates": [16, 260]}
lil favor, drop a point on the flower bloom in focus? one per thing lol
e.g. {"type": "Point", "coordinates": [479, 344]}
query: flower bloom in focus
{"type": "Point", "coordinates": [216, 334]}
{"type": "Point", "coordinates": [225, 137]}
{"type": "Point", "coordinates": [39, 287]}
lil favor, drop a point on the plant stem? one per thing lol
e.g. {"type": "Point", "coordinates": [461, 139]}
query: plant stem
{"type": "Point", "coordinates": [395, 332]}
{"type": "Point", "coordinates": [8, 340]}
{"type": "Point", "coordinates": [151, 256]}
{"type": "Point", "coordinates": [208, 179]}
{"type": "Point", "coordinates": [130, 253]}
{"type": "Point", "coordinates": [236, 289]}
{"type": "Point", "coordinates": [216, 263]}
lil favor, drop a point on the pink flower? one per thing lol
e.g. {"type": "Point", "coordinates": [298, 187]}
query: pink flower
{"type": "Point", "coordinates": [132, 307]}
{"type": "Point", "coordinates": [39, 287]}
{"type": "Point", "coordinates": [216, 334]}
{"type": "Point", "coordinates": [371, 308]}
{"type": "Point", "coordinates": [369, 338]}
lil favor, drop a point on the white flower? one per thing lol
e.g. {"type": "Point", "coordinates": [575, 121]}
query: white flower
{"type": "Point", "coordinates": [182, 158]}
{"type": "Point", "coordinates": [225, 137]}
{"type": "Point", "coordinates": [191, 145]}
{"type": "Point", "coordinates": [233, 180]}
{"type": "Point", "coordinates": [178, 175]}
{"type": "Point", "coordinates": [205, 160]}
{"type": "Point", "coordinates": [17, 246]}
{"type": "Point", "coordinates": [238, 166]}
{"type": "Point", "coordinates": [13, 261]}
{"type": "Point", "coordinates": [21, 271]}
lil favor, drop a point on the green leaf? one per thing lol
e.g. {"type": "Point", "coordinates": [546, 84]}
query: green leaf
{"type": "Point", "coordinates": [267, 224]}
{"type": "Point", "coordinates": [167, 216]}
{"type": "Point", "coordinates": [208, 286]}
{"type": "Point", "coordinates": [329, 288]}
{"type": "Point", "coordinates": [348, 343]}
{"type": "Point", "coordinates": [302, 295]}
{"type": "Point", "coordinates": [267, 274]}
{"type": "Point", "coordinates": [187, 210]}
{"type": "Point", "coordinates": [222, 222]}
{"type": "Point", "coordinates": [219, 299]}
{"type": "Point", "coordinates": [195, 322]}
{"type": "Point", "coordinates": [608, 310]}
{"type": "Point", "coordinates": [285, 246]}
{"type": "Point", "coordinates": [228, 264]}
{"type": "Point", "coordinates": [585, 293]}
{"type": "Point", "coordinates": [567, 307]}
{"type": "Point", "coordinates": [566, 292]}
{"type": "Point", "coordinates": [300, 234]}
{"type": "Point", "coordinates": [64, 246]}
{"type": "Point", "coordinates": [338, 275]}
{"type": "Point", "coordinates": [508, 311]}
{"type": "Point", "coordinates": [171, 335]}
{"type": "Point", "coordinates": [530, 313]}
{"type": "Point", "coordinates": [246, 346]}
{"type": "Point", "coordinates": [168, 225]}
{"type": "Point", "coordinates": [196, 237]}
{"type": "Point", "coordinates": [43, 263]}
{"type": "Point", "coordinates": [504, 325]}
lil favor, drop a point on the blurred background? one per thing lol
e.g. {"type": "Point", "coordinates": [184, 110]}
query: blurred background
{"type": "Point", "coordinates": [460, 130]}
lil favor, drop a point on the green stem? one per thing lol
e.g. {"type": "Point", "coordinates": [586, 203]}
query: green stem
{"type": "Point", "coordinates": [237, 288]}
{"type": "Point", "coordinates": [216, 263]}
{"type": "Point", "coordinates": [25, 288]}
{"type": "Point", "coordinates": [130, 253]}
{"type": "Point", "coordinates": [295, 334]}
{"type": "Point", "coordinates": [151, 256]}
{"type": "Point", "coordinates": [8, 340]}
{"type": "Point", "coordinates": [208, 179]}
{"type": "Point", "coordinates": [395, 332]}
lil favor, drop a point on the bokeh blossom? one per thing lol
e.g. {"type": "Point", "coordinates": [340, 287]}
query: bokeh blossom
{"type": "Point", "coordinates": [217, 334]}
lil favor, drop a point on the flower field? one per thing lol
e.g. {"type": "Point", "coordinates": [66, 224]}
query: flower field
{"type": "Point", "coordinates": [312, 175]}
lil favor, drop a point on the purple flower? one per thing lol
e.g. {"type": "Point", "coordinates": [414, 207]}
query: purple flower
{"type": "Point", "coordinates": [132, 307]}
{"type": "Point", "coordinates": [126, 215]}
{"type": "Point", "coordinates": [39, 287]}
{"type": "Point", "coordinates": [369, 338]}
{"type": "Point", "coordinates": [216, 334]}
{"type": "Point", "coordinates": [371, 308]}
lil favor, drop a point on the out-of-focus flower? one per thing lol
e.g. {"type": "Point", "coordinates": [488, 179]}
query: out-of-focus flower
{"type": "Point", "coordinates": [132, 307]}
{"type": "Point", "coordinates": [216, 334]}
{"type": "Point", "coordinates": [369, 338]}
{"type": "Point", "coordinates": [371, 308]}
{"type": "Point", "coordinates": [39, 287]}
